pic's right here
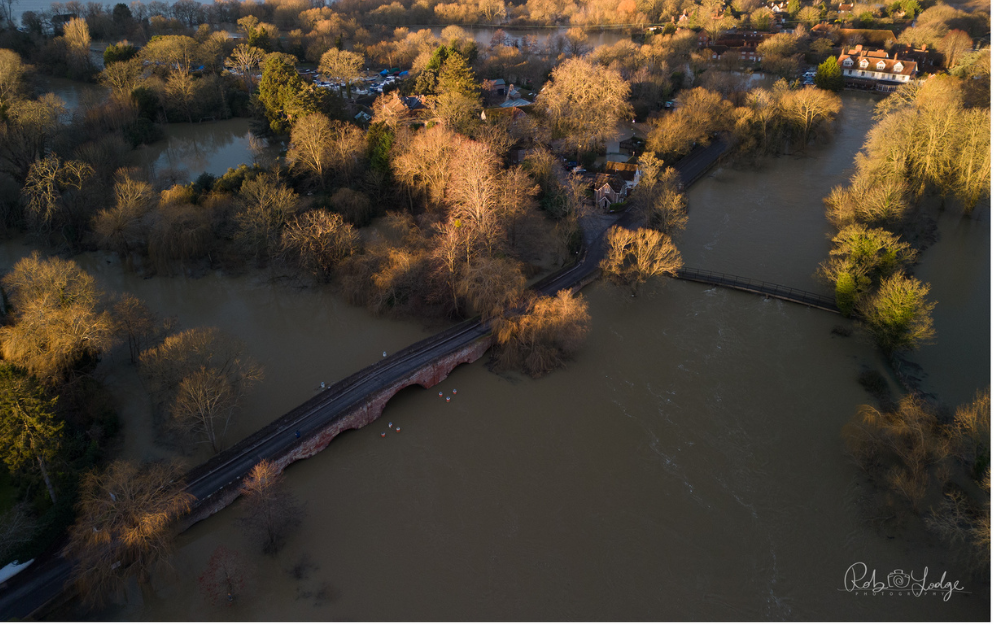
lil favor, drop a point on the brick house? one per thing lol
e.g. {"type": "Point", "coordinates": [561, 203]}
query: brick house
{"type": "Point", "coordinates": [609, 189]}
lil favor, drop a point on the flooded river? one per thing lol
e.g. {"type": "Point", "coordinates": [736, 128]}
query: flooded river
{"type": "Point", "coordinates": [687, 465]}
{"type": "Point", "coordinates": [187, 150]}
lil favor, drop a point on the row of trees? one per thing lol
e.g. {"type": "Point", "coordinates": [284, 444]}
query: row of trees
{"type": "Point", "coordinates": [926, 142]}
{"type": "Point", "coordinates": [764, 121]}
{"type": "Point", "coordinates": [916, 465]}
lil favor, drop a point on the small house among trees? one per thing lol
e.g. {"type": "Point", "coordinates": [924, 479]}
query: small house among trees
{"type": "Point", "coordinates": [609, 189]}
{"type": "Point", "coordinates": [628, 172]}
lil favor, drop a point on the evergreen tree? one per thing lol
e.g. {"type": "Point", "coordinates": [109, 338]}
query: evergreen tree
{"type": "Point", "coordinates": [380, 139]}
{"type": "Point", "coordinates": [829, 75]}
{"type": "Point", "coordinates": [283, 94]}
{"type": "Point", "coordinates": [457, 78]}
{"type": "Point", "coordinates": [29, 429]}
{"type": "Point", "coordinates": [117, 52]}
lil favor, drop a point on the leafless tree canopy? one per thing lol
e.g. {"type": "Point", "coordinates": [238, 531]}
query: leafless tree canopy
{"type": "Point", "coordinates": [203, 375]}
{"type": "Point", "coordinates": [546, 337]}
{"type": "Point", "coordinates": [584, 103]}
{"type": "Point", "coordinates": [269, 510]}
{"type": "Point", "coordinates": [57, 319]}
{"type": "Point", "coordinates": [16, 528]}
{"type": "Point", "coordinates": [124, 525]}
{"type": "Point", "coordinates": [635, 256]}
{"type": "Point", "coordinates": [227, 576]}
{"type": "Point", "coordinates": [318, 240]}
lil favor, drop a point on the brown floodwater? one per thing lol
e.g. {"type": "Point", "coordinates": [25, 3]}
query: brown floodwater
{"type": "Point", "coordinates": [187, 150]}
{"type": "Point", "coordinates": [687, 465]}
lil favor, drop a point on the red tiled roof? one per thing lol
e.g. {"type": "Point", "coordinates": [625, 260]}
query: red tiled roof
{"type": "Point", "coordinates": [908, 67]}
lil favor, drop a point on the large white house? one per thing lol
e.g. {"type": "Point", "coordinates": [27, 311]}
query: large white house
{"type": "Point", "coordinates": [873, 69]}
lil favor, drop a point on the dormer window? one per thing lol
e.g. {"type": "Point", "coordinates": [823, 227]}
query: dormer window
{"type": "Point", "coordinates": [848, 62]}
{"type": "Point", "coordinates": [863, 63]}
{"type": "Point", "coordinates": [880, 65]}
{"type": "Point", "coordinates": [898, 67]}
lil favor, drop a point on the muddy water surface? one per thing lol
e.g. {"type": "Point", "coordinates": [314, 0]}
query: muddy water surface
{"type": "Point", "coordinates": [187, 150]}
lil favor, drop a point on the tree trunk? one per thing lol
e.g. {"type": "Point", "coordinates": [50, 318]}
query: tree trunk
{"type": "Point", "coordinates": [45, 476]}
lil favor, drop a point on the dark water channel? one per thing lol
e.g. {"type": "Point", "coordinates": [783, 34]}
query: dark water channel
{"type": "Point", "coordinates": [688, 464]}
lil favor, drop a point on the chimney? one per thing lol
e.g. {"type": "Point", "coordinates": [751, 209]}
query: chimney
{"type": "Point", "coordinates": [923, 48]}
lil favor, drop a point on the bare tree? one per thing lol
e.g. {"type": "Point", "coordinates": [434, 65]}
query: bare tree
{"type": "Point", "coordinates": [584, 103]}
{"type": "Point", "coordinates": [701, 113]}
{"type": "Point", "coordinates": [970, 433]}
{"type": "Point", "coordinates": [245, 60]}
{"type": "Point", "coordinates": [312, 145]}
{"type": "Point", "coordinates": [267, 204]}
{"type": "Point", "coordinates": [206, 403]}
{"type": "Point", "coordinates": [342, 65]}
{"type": "Point", "coordinates": [318, 240]}
{"type": "Point", "coordinates": [119, 228]}
{"type": "Point", "coordinates": [11, 76]}
{"type": "Point", "coordinates": [56, 318]}
{"type": "Point", "coordinates": [491, 285]}
{"type": "Point", "coordinates": [954, 46]}
{"type": "Point", "coordinates": [808, 108]}
{"type": "Point", "coordinates": [180, 91]}
{"type": "Point", "coordinates": [474, 195]}
{"type": "Point", "coordinates": [47, 180]}
{"type": "Point", "coordinates": [136, 322]}
{"type": "Point", "coordinates": [546, 337]}
{"type": "Point", "coordinates": [634, 256]}
{"type": "Point", "coordinates": [123, 529]}
{"type": "Point", "coordinates": [16, 529]}
{"type": "Point", "coordinates": [227, 576]}
{"type": "Point", "coordinates": [77, 36]}
{"type": "Point", "coordinates": [896, 447]}
{"type": "Point", "coordinates": [424, 165]}
{"type": "Point", "coordinates": [122, 78]}
{"type": "Point", "coordinates": [656, 197]}
{"type": "Point", "coordinates": [270, 511]}
{"type": "Point", "coordinates": [205, 375]}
